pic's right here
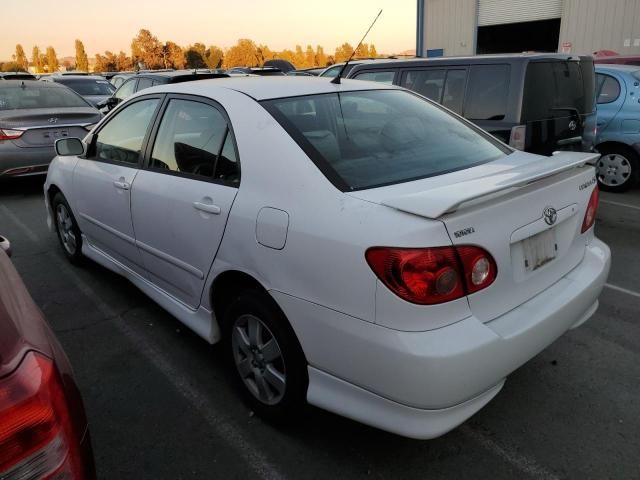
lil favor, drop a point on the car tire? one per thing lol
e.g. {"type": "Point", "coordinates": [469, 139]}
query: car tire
{"type": "Point", "coordinates": [618, 168]}
{"type": "Point", "coordinates": [265, 356]}
{"type": "Point", "coordinates": [67, 229]}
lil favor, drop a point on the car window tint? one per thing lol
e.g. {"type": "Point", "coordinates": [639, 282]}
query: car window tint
{"type": "Point", "coordinates": [382, 77]}
{"type": "Point", "coordinates": [228, 167]}
{"type": "Point", "coordinates": [429, 83]}
{"type": "Point", "coordinates": [189, 139]}
{"type": "Point", "coordinates": [609, 90]}
{"type": "Point", "coordinates": [454, 90]}
{"type": "Point", "coordinates": [144, 83]}
{"type": "Point", "coordinates": [38, 96]}
{"type": "Point", "coordinates": [367, 139]}
{"type": "Point", "coordinates": [487, 92]}
{"type": "Point", "coordinates": [90, 87]}
{"type": "Point", "coordinates": [126, 89]}
{"type": "Point", "coordinates": [332, 72]}
{"type": "Point", "coordinates": [121, 139]}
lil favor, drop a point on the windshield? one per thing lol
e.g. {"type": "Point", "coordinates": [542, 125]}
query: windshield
{"type": "Point", "coordinates": [90, 87]}
{"type": "Point", "coordinates": [372, 138]}
{"type": "Point", "coordinates": [14, 98]}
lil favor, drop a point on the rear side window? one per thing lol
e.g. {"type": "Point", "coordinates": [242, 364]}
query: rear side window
{"type": "Point", "coordinates": [126, 89]}
{"type": "Point", "coordinates": [429, 83]}
{"type": "Point", "coordinates": [144, 83]}
{"type": "Point", "coordinates": [381, 77]}
{"type": "Point", "coordinates": [372, 138]}
{"type": "Point", "coordinates": [556, 89]}
{"type": "Point", "coordinates": [487, 92]}
{"type": "Point", "coordinates": [454, 90]}
{"type": "Point", "coordinates": [608, 89]}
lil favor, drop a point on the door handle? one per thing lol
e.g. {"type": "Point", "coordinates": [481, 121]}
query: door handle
{"type": "Point", "coordinates": [207, 207]}
{"type": "Point", "coordinates": [121, 184]}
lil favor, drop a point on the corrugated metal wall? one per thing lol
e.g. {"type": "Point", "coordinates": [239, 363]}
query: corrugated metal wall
{"type": "Point", "coordinates": [591, 25]}
{"type": "Point", "coordinates": [497, 12]}
{"type": "Point", "coordinates": [451, 25]}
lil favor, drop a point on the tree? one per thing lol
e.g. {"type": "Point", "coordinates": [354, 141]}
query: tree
{"type": "Point", "coordinates": [362, 51]}
{"type": "Point", "coordinates": [243, 54]}
{"type": "Point", "coordinates": [146, 48]}
{"type": "Point", "coordinates": [124, 63]}
{"type": "Point", "coordinates": [9, 67]}
{"type": "Point", "coordinates": [343, 52]}
{"type": "Point", "coordinates": [310, 57]}
{"type": "Point", "coordinates": [82, 61]}
{"type": "Point", "coordinates": [320, 58]}
{"type": "Point", "coordinates": [36, 59]}
{"type": "Point", "coordinates": [52, 60]}
{"type": "Point", "coordinates": [372, 51]}
{"type": "Point", "coordinates": [299, 59]}
{"type": "Point", "coordinates": [194, 56]}
{"type": "Point", "coordinates": [21, 59]}
{"type": "Point", "coordinates": [214, 57]}
{"type": "Point", "coordinates": [106, 63]}
{"type": "Point", "coordinates": [174, 55]}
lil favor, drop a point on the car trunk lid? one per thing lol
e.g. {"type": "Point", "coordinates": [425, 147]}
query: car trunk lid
{"type": "Point", "coordinates": [503, 209]}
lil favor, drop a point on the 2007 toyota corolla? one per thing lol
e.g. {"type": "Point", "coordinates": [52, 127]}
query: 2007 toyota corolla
{"type": "Point", "coordinates": [355, 246]}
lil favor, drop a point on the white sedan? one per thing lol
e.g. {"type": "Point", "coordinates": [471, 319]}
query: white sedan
{"type": "Point", "coordinates": [354, 246]}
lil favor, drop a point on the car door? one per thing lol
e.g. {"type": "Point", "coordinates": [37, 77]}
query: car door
{"type": "Point", "coordinates": [102, 180]}
{"type": "Point", "coordinates": [610, 95]}
{"type": "Point", "coordinates": [181, 200]}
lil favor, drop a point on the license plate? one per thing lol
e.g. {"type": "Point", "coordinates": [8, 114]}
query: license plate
{"type": "Point", "coordinates": [539, 250]}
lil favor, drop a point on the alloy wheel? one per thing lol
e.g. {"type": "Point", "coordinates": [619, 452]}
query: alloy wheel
{"type": "Point", "coordinates": [613, 169]}
{"type": "Point", "coordinates": [65, 229]}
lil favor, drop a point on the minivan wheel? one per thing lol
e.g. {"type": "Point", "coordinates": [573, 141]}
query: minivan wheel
{"type": "Point", "coordinates": [266, 357]}
{"type": "Point", "coordinates": [67, 229]}
{"type": "Point", "coordinates": [617, 168]}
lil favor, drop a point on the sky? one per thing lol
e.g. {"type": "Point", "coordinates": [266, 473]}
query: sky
{"type": "Point", "coordinates": [111, 24]}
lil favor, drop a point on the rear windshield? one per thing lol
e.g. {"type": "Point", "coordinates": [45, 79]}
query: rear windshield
{"type": "Point", "coordinates": [557, 89]}
{"type": "Point", "coordinates": [90, 87]}
{"type": "Point", "coordinates": [373, 138]}
{"type": "Point", "coordinates": [15, 98]}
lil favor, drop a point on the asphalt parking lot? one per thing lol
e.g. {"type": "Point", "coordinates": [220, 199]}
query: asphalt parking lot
{"type": "Point", "coordinates": [160, 405]}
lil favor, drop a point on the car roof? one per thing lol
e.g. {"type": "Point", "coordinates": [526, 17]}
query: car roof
{"type": "Point", "coordinates": [617, 67]}
{"type": "Point", "coordinates": [265, 88]}
{"type": "Point", "coordinates": [64, 78]}
{"type": "Point", "coordinates": [30, 83]}
{"type": "Point", "coordinates": [172, 74]}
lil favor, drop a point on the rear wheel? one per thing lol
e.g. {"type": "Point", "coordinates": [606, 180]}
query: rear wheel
{"type": "Point", "coordinates": [266, 356]}
{"type": "Point", "coordinates": [617, 169]}
{"type": "Point", "coordinates": [67, 229]}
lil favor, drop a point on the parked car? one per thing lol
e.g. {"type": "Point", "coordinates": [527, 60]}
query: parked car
{"type": "Point", "coordinates": [306, 72]}
{"type": "Point", "coordinates": [16, 76]}
{"type": "Point", "coordinates": [33, 114]}
{"type": "Point", "coordinates": [284, 66]}
{"type": "Point", "coordinates": [618, 137]}
{"type": "Point", "coordinates": [120, 78]}
{"type": "Point", "coordinates": [260, 71]}
{"type": "Point", "coordinates": [43, 427]}
{"type": "Point", "coordinates": [141, 81]}
{"type": "Point", "coordinates": [353, 245]}
{"type": "Point", "coordinates": [74, 73]}
{"type": "Point", "coordinates": [93, 88]}
{"type": "Point", "coordinates": [539, 103]}
{"type": "Point", "coordinates": [618, 59]}
{"type": "Point", "coordinates": [333, 70]}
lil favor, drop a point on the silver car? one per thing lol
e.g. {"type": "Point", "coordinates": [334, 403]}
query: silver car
{"type": "Point", "coordinates": [93, 88]}
{"type": "Point", "coordinates": [33, 115]}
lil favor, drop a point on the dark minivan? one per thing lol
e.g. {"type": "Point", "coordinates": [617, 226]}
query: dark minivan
{"type": "Point", "coordinates": [539, 103]}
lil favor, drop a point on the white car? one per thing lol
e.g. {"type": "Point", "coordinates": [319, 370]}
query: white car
{"type": "Point", "coordinates": [355, 246]}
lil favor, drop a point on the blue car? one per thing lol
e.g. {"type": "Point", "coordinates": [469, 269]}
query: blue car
{"type": "Point", "coordinates": [618, 135]}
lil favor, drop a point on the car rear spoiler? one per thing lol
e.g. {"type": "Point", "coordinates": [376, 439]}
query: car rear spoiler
{"type": "Point", "coordinates": [436, 202]}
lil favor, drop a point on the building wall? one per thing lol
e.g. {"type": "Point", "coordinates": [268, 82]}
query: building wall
{"type": "Point", "coordinates": [451, 25]}
{"type": "Point", "coordinates": [591, 25]}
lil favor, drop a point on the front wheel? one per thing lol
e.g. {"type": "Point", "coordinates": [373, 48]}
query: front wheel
{"type": "Point", "coordinates": [617, 168]}
{"type": "Point", "coordinates": [266, 356]}
{"type": "Point", "coordinates": [67, 229]}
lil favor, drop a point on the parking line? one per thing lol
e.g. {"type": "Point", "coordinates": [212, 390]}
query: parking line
{"type": "Point", "coordinates": [27, 231]}
{"type": "Point", "coordinates": [521, 462]}
{"type": "Point", "coordinates": [623, 290]}
{"type": "Point", "coordinates": [620, 204]}
{"type": "Point", "coordinates": [232, 436]}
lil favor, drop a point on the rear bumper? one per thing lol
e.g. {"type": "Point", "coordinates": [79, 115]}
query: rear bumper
{"type": "Point", "coordinates": [423, 384]}
{"type": "Point", "coordinates": [17, 161]}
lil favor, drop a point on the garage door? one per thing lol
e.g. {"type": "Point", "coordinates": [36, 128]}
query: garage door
{"type": "Point", "coordinates": [497, 12]}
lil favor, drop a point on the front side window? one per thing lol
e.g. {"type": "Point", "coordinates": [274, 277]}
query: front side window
{"type": "Point", "coordinates": [332, 72]}
{"type": "Point", "coordinates": [487, 93]}
{"type": "Point", "coordinates": [429, 83]}
{"type": "Point", "coordinates": [373, 138]}
{"type": "Point", "coordinates": [454, 90]}
{"type": "Point", "coordinates": [126, 89]}
{"type": "Point", "coordinates": [381, 77]}
{"type": "Point", "coordinates": [608, 89]}
{"type": "Point", "coordinates": [194, 139]}
{"type": "Point", "coordinates": [121, 139]}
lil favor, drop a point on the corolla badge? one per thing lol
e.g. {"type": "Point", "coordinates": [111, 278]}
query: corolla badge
{"type": "Point", "coordinates": [573, 125]}
{"type": "Point", "coordinates": [550, 215]}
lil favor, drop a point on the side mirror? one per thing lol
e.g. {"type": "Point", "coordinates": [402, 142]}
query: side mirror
{"type": "Point", "coordinates": [66, 147]}
{"type": "Point", "coordinates": [5, 246]}
{"type": "Point", "coordinates": [109, 103]}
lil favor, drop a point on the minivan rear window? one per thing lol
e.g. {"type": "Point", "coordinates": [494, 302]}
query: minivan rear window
{"type": "Point", "coordinates": [557, 89]}
{"type": "Point", "coordinates": [367, 139]}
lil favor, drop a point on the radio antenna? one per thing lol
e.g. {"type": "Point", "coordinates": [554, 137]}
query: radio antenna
{"type": "Point", "coordinates": [337, 78]}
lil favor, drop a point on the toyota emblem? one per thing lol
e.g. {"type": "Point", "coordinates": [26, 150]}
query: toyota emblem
{"type": "Point", "coordinates": [573, 125]}
{"type": "Point", "coordinates": [550, 215]}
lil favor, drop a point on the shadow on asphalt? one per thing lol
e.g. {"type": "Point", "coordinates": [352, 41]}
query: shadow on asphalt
{"type": "Point", "coordinates": [26, 186]}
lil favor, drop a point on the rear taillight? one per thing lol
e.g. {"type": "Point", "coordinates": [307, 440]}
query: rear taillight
{"type": "Point", "coordinates": [36, 432]}
{"type": "Point", "coordinates": [592, 210]}
{"type": "Point", "coordinates": [518, 137]}
{"type": "Point", "coordinates": [428, 276]}
{"type": "Point", "coordinates": [7, 134]}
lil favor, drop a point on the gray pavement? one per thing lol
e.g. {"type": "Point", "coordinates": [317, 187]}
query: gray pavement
{"type": "Point", "coordinates": [161, 406]}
